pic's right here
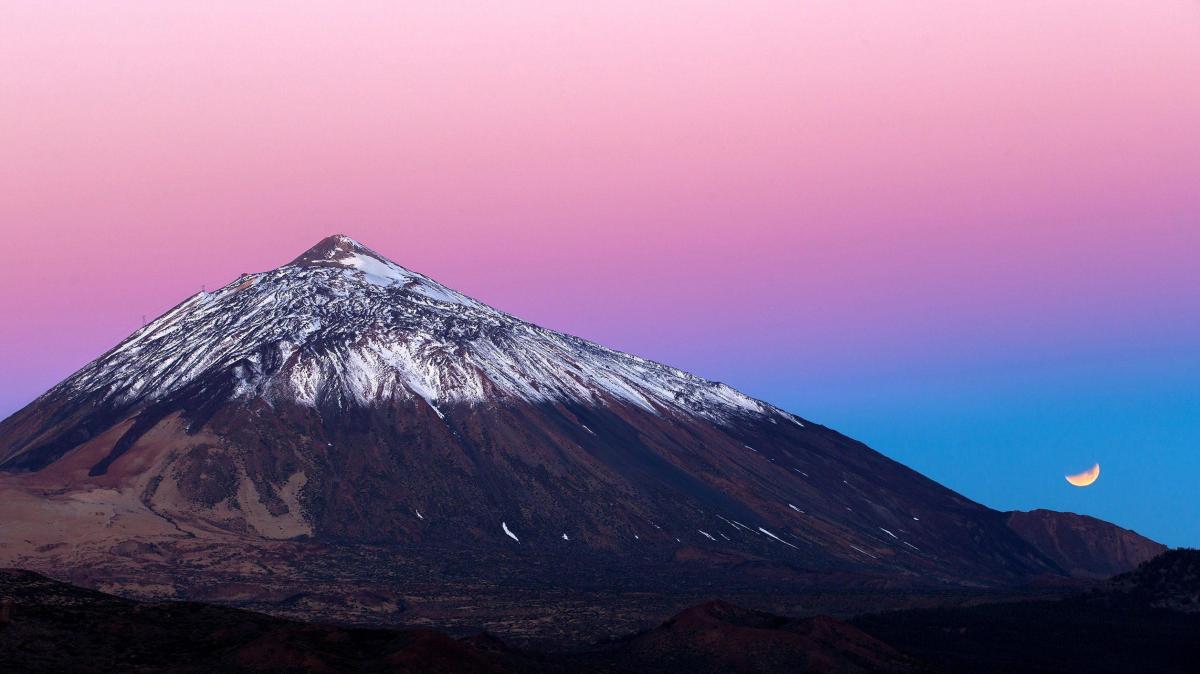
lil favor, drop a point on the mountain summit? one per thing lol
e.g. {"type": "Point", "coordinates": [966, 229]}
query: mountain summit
{"type": "Point", "coordinates": [341, 326]}
{"type": "Point", "coordinates": [342, 252]}
{"type": "Point", "coordinates": [333, 250]}
{"type": "Point", "coordinates": [342, 400]}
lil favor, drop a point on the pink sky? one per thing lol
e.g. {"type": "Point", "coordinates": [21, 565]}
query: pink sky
{"type": "Point", "coordinates": [761, 175]}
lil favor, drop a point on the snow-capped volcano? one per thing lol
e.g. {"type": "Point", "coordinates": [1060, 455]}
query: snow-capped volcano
{"type": "Point", "coordinates": [343, 325]}
{"type": "Point", "coordinates": [343, 400]}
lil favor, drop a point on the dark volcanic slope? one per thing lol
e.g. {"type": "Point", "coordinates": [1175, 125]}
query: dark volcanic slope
{"type": "Point", "coordinates": [341, 421]}
{"type": "Point", "coordinates": [1084, 546]}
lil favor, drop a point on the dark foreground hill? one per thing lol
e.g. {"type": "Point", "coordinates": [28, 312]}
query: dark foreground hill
{"type": "Point", "coordinates": [1169, 581]}
{"type": "Point", "coordinates": [719, 637]}
{"type": "Point", "coordinates": [1139, 622]}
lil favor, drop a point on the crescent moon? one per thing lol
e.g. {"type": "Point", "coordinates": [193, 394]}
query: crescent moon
{"type": "Point", "coordinates": [1086, 477]}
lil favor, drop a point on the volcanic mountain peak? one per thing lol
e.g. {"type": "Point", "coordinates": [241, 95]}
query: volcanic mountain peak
{"type": "Point", "coordinates": [342, 400]}
{"type": "Point", "coordinates": [342, 252]}
{"type": "Point", "coordinates": [332, 248]}
{"type": "Point", "coordinates": [343, 325]}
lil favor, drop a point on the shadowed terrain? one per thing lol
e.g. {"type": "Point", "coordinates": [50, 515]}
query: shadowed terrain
{"type": "Point", "coordinates": [1143, 621]}
{"type": "Point", "coordinates": [51, 626]}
